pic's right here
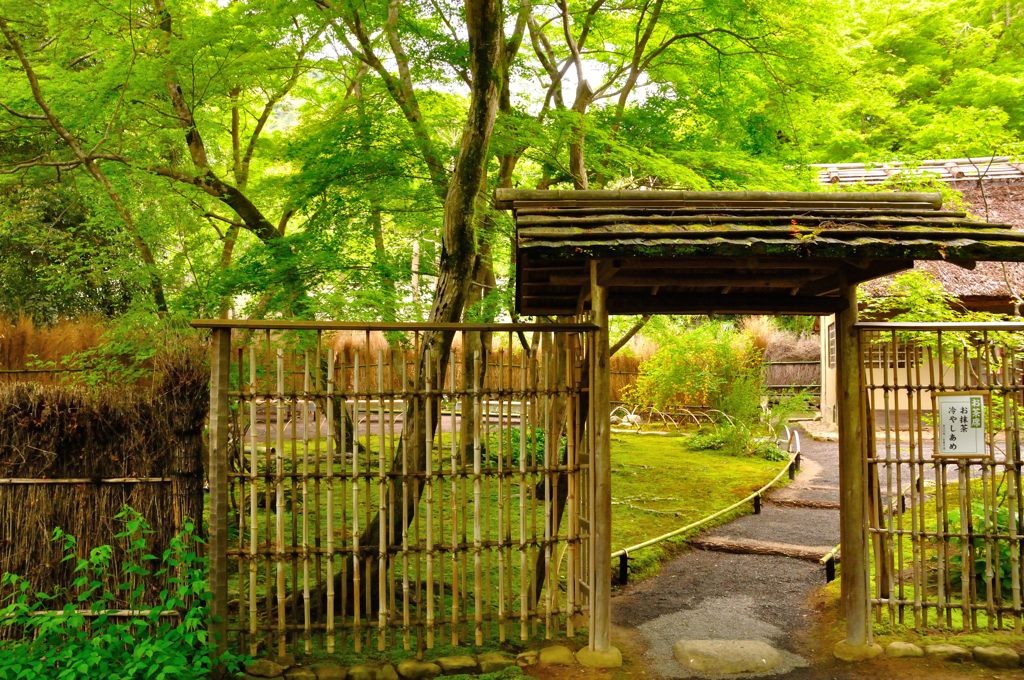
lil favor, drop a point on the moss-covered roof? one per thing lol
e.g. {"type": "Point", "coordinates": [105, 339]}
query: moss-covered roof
{"type": "Point", "coordinates": [680, 252]}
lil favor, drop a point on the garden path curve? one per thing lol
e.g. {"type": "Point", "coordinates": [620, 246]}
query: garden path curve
{"type": "Point", "coordinates": [705, 593]}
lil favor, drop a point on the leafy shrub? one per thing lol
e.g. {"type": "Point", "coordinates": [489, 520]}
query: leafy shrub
{"type": "Point", "coordinates": [710, 365]}
{"type": "Point", "coordinates": [68, 643]}
{"type": "Point", "coordinates": [769, 450]}
{"type": "Point", "coordinates": [534, 447]}
{"type": "Point", "coordinates": [707, 441]}
{"type": "Point", "coordinates": [983, 524]}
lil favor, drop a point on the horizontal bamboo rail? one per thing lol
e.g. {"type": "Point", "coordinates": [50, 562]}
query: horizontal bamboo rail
{"type": "Point", "coordinates": [271, 324]}
{"type": "Point", "coordinates": [110, 613]}
{"type": "Point", "coordinates": [86, 480]}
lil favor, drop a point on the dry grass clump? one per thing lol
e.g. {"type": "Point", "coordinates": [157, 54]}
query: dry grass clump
{"type": "Point", "coordinates": [21, 339]}
{"type": "Point", "coordinates": [779, 344]}
{"type": "Point", "coordinates": [62, 432]}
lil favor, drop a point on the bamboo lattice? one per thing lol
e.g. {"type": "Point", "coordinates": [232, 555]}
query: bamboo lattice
{"type": "Point", "coordinates": [945, 531]}
{"type": "Point", "coordinates": [381, 496]}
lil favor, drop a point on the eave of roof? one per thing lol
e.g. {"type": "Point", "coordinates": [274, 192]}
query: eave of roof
{"type": "Point", "coordinates": [851, 237]}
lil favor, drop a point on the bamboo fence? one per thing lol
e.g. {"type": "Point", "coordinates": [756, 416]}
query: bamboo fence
{"type": "Point", "coordinates": [945, 531]}
{"type": "Point", "coordinates": [384, 496]}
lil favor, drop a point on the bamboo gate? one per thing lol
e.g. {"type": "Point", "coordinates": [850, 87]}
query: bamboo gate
{"type": "Point", "coordinates": [944, 497]}
{"type": "Point", "coordinates": [361, 500]}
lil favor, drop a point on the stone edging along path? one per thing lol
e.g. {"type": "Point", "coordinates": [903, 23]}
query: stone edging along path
{"type": "Point", "coordinates": [992, 656]}
{"type": "Point", "coordinates": [287, 668]}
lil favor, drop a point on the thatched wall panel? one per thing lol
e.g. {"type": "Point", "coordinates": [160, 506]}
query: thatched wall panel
{"type": "Point", "coordinates": [59, 433]}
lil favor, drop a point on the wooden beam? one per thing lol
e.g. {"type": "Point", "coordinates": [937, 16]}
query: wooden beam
{"type": "Point", "coordinates": [704, 303]}
{"type": "Point", "coordinates": [646, 280]}
{"type": "Point", "coordinates": [897, 234]}
{"type": "Point", "coordinates": [877, 269]}
{"type": "Point", "coordinates": [601, 469]}
{"type": "Point", "coordinates": [853, 536]}
{"type": "Point", "coordinates": [505, 198]}
{"type": "Point", "coordinates": [785, 210]}
{"type": "Point", "coordinates": [220, 360]}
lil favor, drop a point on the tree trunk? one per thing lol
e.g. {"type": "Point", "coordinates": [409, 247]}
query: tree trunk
{"type": "Point", "coordinates": [458, 262]}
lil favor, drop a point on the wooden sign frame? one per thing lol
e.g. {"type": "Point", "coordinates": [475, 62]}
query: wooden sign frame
{"type": "Point", "coordinates": [986, 451]}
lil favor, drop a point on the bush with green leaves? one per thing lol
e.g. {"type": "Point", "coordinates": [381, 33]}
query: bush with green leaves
{"type": "Point", "coordinates": [982, 523]}
{"type": "Point", "coordinates": [77, 633]}
{"type": "Point", "coordinates": [514, 445]}
{"type": "Point", "coordinates": [712, 365]}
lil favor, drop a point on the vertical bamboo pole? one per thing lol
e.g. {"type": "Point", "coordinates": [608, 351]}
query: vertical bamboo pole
{"type": "Point", "coordinates": [453, 450]}
{"type": "Point", "coordinates": [404, 444]}
{"type": "Point", "coordinates": [431, 377]}
{"type": "Point", "coordinates": [382, 510]}
{"type": "Point", "coordinates": [291, 505]}
{"type": "Point", "coordinates": [547, 350]}
{"type": "Point", "coordinates": [524, 493]}
{"type": "Point", "coordinates": [886, 547]}
{"type": "Point", "coordinates": [852, 478]}
{"type": "Point", "coordinates": [253, 525]}
{"type": "Point", "coordinates": [368, 479]}
{"type": "Point", "coordinates": [917, 498]}
{"type": "Point", "coordinates": [392, 497]}
{"type": "Point", "coordinates": [1013, 490]}
{"type": "Point", "coordinates": [571, 472]}
{"type": "Point", "coordinates": [269, 451]}
{"type": "Point", "coordinates": [307, 631]}
{"type": "Point", "coordinates": [244, 481]}
{"type": "Point", "coordinates": [601, 538]}
{"type": "Point", "coordinates": [316, 400]}
{"type": "Point", "coordinates": [482, 430]}
{"type": "Point", "coordinates": [343, 453]}
{"type": "Point", "coordinates": [478, 608]}
{"type": "Point", "coordinates": [357, 612]}
{"type": "Point", "coordinates": [502, 512]}
{"type": "Point", "coordinates": [967, 568]}
{"type": "Point", "coordinates": [220, 362]}
{"type": "Point", "coordinates": [886, 355]}
{"type": "Point", "coordinates": [332, 446]}
{"type": "Point", "coordinates": [414, 433]}
{"type": "Point", "coordinates": [282, 638]}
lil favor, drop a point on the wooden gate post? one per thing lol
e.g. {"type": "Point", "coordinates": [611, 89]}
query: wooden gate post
{"type": "Point", "coordinates": [600, 653]}
{"type": "Point", "coordinates": [220, 359]}
{"type": "Point", "coordinates": [853, 535]}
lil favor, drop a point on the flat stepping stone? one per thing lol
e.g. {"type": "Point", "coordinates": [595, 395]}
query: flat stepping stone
{"type": "Point", "coordinates": [801, 526]}
{"type": "Point", "coordinates": [727, 657]}
{"type": "Point", "coordinates": [812, 503]}
{"type": "Point", "coordinates": [748, 546]}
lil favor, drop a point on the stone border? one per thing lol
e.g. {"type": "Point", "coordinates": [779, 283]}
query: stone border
{"type": "Point", "coordinates": [999, 657]}
{"type": "Point", "coordinates": [287, 668]}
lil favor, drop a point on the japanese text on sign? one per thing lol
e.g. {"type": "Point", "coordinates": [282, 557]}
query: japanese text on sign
{"type": "Point", "coordinates": [961, 426]}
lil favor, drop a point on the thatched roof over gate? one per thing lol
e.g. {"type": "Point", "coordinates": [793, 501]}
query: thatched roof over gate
{"type": "Point", "coordinates": [731, 252]}
{"type": "Point", "coordinates": [993, 190]}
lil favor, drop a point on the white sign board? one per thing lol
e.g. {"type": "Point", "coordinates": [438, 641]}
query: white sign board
{"type": "Point", "coordinates": [961, 424]}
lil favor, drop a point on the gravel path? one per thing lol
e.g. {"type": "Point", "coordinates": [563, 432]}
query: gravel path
{"type": "Point", "coordinates": [711, 595]}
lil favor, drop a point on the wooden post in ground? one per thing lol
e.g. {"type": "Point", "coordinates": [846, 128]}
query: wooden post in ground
{"type": "Point", "coordinates": [220, 360]}
{"type": "Point", "coordinates": [600, 653]}
{"type": "Point", "coordinates": [853, 537]}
